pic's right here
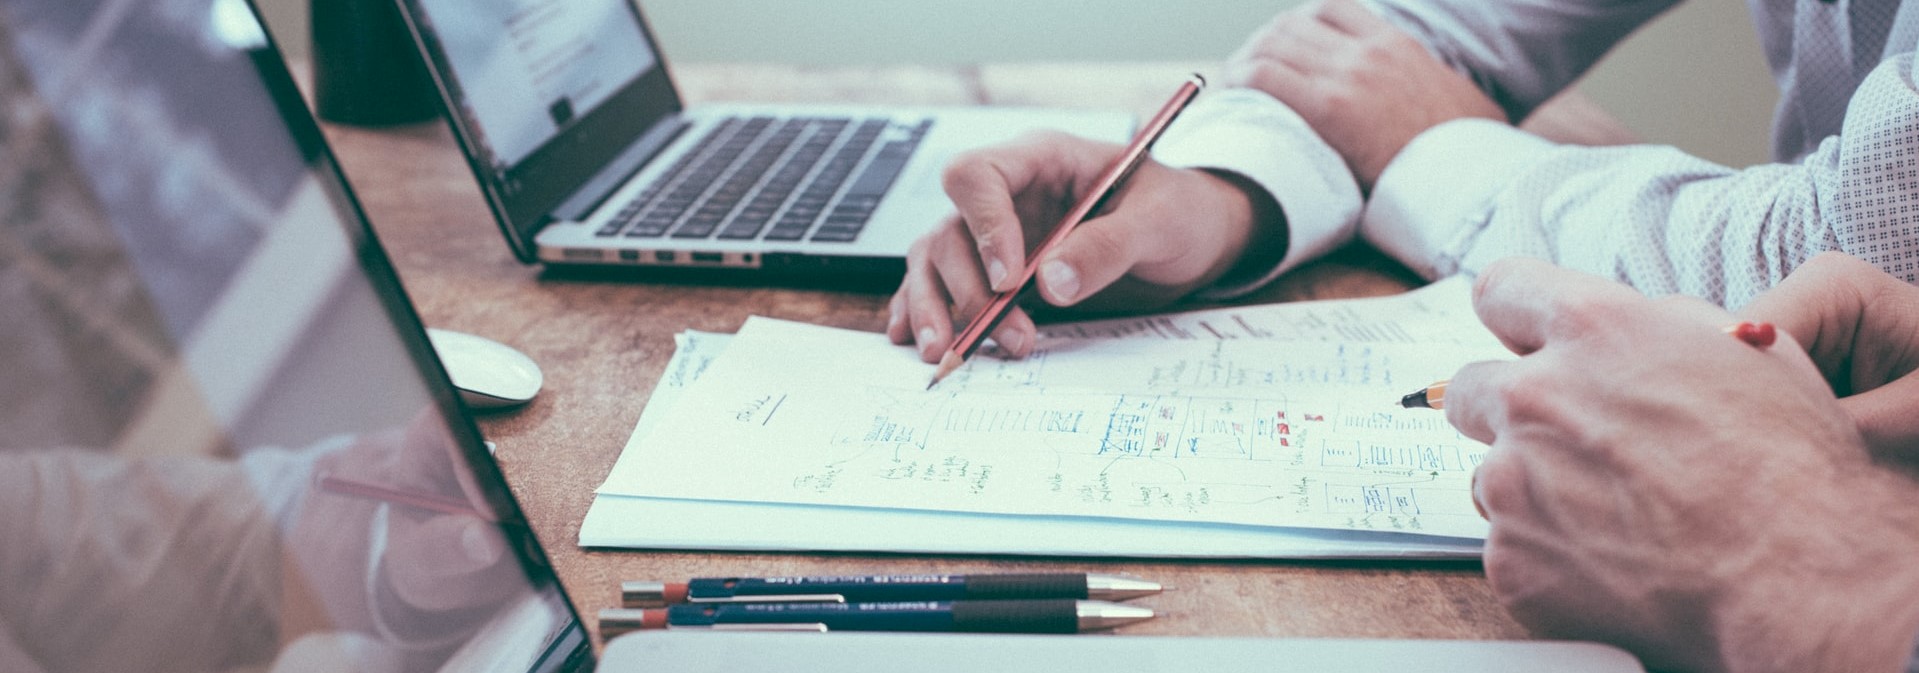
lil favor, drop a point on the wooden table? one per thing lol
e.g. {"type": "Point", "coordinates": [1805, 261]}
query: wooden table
{"type": "Point", "coordinates": [603, 345]}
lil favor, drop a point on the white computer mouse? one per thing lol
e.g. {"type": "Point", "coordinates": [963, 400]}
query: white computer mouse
{"type": "Point", "coordinates": [488, 374]}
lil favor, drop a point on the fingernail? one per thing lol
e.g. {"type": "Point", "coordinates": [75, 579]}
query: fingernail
{"type": "Point", "coordinates": [995, 273]}
{"type": "Point", "coordinates": [892, 322]}
{"type": "Point", "coordinates": [927, 335]}
{"type": "Point", "coordinates": [1061, 279]}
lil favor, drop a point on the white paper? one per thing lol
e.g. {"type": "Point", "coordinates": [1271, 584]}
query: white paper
{"type": "Point", "coordinates": [1244, 431]}
{"type": "Point", "coordinates": [616, 521]}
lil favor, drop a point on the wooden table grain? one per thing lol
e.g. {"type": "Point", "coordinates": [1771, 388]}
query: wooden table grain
{"type": "Point", "coordinates": [604, 343]}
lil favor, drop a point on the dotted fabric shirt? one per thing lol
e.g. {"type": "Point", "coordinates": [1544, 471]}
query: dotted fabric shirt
{"type": "Point", "coordinates": [1846, 133]}
{"type": "Point", "coordinates": [1465, 193]}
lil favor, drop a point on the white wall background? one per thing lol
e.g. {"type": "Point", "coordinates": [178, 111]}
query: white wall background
{"type": "Point", "coordinates": [1695, 78]}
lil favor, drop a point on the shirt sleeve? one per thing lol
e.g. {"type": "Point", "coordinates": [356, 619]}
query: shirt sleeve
{"type": "Point", "coordinates": [107, 558]}
{"type": "Point", "coordinates": [1468, 192]}
{"type": "Point", "coordinates": [1250, 134]}
{"type": "Point", "coordinates": [1520, 52]}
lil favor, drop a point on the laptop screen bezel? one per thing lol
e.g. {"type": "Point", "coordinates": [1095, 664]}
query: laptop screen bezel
{"type": "Point", "coordinates": [525, 196]}
{"type": "Point", "coordinates": [570, 649]}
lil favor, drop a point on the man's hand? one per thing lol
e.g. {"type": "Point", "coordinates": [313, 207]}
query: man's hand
{"type": "Point", "coordinates": [1862, 328]}
{"type": "Point", "coordinates": [1657, 484]}
{"type": "Point", "coordinates": [1165, 233]}
{"type": "Point", "coordinates": [1365, 86]}
{"type": "Point", "coordinates": [424, 564]}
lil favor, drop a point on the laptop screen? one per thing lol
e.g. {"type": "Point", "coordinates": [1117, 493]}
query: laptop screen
{"type": "Point", "coordinates": [224, 442]}
{"type": "Point", "coordinates": [543, 94]}
{"type": "Point", "coordinates": [532, 68]}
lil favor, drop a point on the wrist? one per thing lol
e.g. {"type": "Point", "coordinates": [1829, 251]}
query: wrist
{"type": "Point", "coordinates": [1259, 240]}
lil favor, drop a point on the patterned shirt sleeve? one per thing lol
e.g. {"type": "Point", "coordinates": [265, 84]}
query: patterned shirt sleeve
{"type": "Point", "coordinates": [1520, 53]}
{"type": "Point", "coordinates": [1468, 192]}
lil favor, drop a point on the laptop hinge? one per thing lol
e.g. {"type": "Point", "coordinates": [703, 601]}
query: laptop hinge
{"type": "Point", "coordinates": [614, 176]}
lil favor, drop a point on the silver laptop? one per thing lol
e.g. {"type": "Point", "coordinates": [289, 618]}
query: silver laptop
{"type": "Point", "coordinates": [587, 154]}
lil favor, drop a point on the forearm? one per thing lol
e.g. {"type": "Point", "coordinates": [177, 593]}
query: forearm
{"type": "Point", "coordinates": [1520, 53]}
{"type": "Point", "coordinates": [104, 554]}
{"type": "Point", "coordinates": [1466, 193]}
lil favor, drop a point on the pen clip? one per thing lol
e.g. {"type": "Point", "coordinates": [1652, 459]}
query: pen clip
{"type": "Point", "coordinates": [784, 628]}
{"type": "Point", "coordinates": [794, 598]}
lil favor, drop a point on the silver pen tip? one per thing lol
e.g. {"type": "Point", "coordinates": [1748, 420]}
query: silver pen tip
{"type": "Point", "coordinates": [1118, 587]}
{"type": "Point", "coordinates": [1100, 615]}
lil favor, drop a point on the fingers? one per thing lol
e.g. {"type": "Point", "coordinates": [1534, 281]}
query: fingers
{"type": "Point", "coordinates": [1098, 253]}
{"type": "Point", "coordinates": [966, 288]}
{"type": "Point", "coordinates": [1351, 18]}
{"type": "Point", "coordinates": [944, 281]}
{"type": "Point", "coordinates": [1823, 305]}
{"type": "Point", "coordinates": [1472, 400]}
{"type": "Point", "coordinates": [926, 303]}
{"type": "Point", "coordinates": [984, 187]}
{"type": "Point", "coordinates": [1526, 302]}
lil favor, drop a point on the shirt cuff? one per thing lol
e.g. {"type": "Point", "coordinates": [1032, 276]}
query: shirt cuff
{"type": "Point", "coordinates": [1250, 134]}
{"type": "Point", "coordinates": [1437, 195]}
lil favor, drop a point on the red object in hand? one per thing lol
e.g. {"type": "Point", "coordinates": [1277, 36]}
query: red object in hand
{"type": "Point", "coordinates": [1760, 335]}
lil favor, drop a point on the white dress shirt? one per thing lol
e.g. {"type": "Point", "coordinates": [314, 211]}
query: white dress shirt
{"type": "Point", "coordinates": [1468, 192]}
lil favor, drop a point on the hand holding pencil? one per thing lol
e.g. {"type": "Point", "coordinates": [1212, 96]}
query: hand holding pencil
{"type": "Point", "coordinates": [1164, 233]}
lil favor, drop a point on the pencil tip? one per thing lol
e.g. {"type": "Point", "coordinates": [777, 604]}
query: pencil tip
{"type": "Point", "coordinates": [948, 363]}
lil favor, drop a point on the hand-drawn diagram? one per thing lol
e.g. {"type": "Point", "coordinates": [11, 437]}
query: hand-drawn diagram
{"type": "Point", "coordinates": [1245, 431]}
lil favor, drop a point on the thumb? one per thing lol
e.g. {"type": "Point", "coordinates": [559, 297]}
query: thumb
{"type": "Point", "coordinates": [1097, 253]}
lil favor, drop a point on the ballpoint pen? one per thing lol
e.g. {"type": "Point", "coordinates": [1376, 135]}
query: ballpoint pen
{"type": "Point", "coordinates": [1063, 615]}
{"type": "Point", "coordinates": [872, 588]}
{"type": "Point", "coordinates": [970, 338]}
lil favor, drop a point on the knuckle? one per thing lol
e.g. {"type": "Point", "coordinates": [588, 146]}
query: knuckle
{"type": "Point", "coordinates": [1528, 396]}
{"type": "Point", "coordinates": [1500, 484]}
{"type": "Point", "coordinates": [1588, 313]}
{"type": "Point", "coordinates": [964, 170]}
{"type": "Point", "coordinates": [1258, 74]}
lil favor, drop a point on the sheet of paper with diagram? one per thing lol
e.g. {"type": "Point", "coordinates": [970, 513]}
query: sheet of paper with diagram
{"type": "Point", "coordinates": [1262, 417]}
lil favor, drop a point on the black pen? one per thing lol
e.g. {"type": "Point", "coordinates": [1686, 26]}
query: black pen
{"type": "Point", "coordinates": [880, 588]}
{"type": "Point", "coordinates": [1059, 615]}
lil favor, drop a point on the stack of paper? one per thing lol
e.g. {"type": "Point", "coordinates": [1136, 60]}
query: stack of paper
{"type": "Point", "coordinates": [1266, 431]}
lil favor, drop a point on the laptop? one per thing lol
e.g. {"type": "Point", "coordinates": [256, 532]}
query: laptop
{"type": "Point", "coordinates": [225, 443]}
{"type": "Point", "coordinates": [588, 155]}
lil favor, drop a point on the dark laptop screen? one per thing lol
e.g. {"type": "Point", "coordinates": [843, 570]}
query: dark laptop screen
{"type": "Point", "coordinates": [224, 443]}
{"type": "Point", "coordinates": [543, 94]}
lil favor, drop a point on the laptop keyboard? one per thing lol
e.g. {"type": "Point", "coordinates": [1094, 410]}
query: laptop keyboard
{"type": "Point", "coordinates": [773, 179]}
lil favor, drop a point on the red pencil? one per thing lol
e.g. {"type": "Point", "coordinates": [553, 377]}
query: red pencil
{"type": "Point", "coordinates": [969, 339]}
